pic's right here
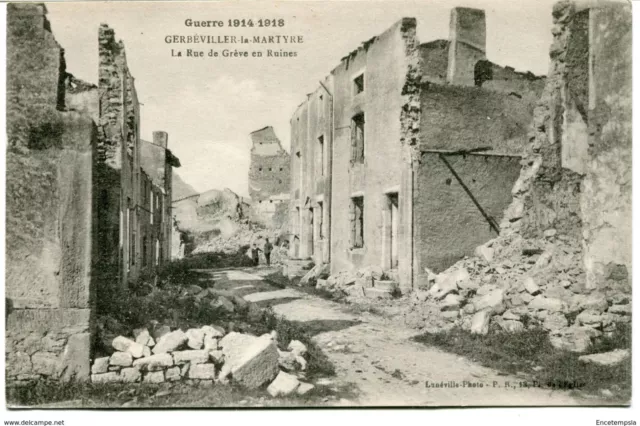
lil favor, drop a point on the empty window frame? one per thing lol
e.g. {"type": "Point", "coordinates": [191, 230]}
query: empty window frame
{"type": "Point", "coordinates": [357, 139]}
{"type": "Point", "coordinates": [358, 84]}
{"type": "Point", "coordinates": [321, 156]}
{"type": "Point", "coordinates": [356, 216]}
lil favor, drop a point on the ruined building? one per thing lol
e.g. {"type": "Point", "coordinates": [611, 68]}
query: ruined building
{"type": "Point", "coordinates": [87, 203]}
{"type": "Point", "coordinates": [405, 156]}
{"type": "Point", "coordinates": [269, 178]}
{"type": "Point", "coordinates": [576, 177]}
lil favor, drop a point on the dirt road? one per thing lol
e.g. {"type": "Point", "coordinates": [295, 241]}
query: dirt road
{"type": "Point", "coordinates": [379, 359]}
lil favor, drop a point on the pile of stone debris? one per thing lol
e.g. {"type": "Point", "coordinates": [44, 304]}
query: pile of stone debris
{"type": "Point", "coordinates": [204, 356]}
{"type": "Point", "coordinates": [244, 236]}
{"type": "Point", "coordinates": [370, 282]}
{"type": "Point", "coordinates": [519, 283]}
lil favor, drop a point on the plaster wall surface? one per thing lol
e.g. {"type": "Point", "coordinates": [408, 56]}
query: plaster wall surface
{"type": "Point", "coordinates": [384, 62]}
{"type": "Point", "coordinates": [448, 223]}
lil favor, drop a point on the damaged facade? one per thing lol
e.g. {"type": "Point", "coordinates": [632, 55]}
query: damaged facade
{"type": "Point", "coordinates": [405, 156]}
{"type": "Point", "coordinates": [269, 178]}
{"type": "Point", "coordinates": [562, 261]}
{"type": "Point", "coordinates": [80, 204]}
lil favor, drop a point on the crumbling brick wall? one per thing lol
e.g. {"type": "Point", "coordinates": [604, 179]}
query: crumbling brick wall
{"type": "Point", "coordinates": [49, 292]}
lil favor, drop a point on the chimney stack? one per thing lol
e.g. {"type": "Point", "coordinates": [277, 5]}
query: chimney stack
{"type": "Point", "coordinates": [161, 138]}
{"type": "Point", "coordinates": [467, 44]}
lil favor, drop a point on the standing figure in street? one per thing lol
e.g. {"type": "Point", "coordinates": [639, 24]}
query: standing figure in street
{"type": "Point", "coordinates": [268, 248]}
{"type": "Point", "coordinates": [255, 254]}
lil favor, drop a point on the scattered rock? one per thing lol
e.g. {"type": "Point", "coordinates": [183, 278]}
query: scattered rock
{"type": "Point", "coordinates": [511, 326]}
{"type": "Point", "coordinates": [172, 374]}
{"type": "Point", "coordinates": [170, 342]}
{"type": "Point", "coordinates": [160, 331]}
{"type": "Point", "coordinates": [217, 357]}
{"type": "Point", "coordinates": [100, 365]}
{"type": "Point", "coordinates": [555, 321]}
{"type": "Point", "coordinates": [485, 253]}
{"type": "Point", "coordinates": [620, 309]}
{"type": "Point", "coordinates": [595, 301]}
{"type": "Point", "coordinates": [284, 384]}
{"type": "Point", "coordinates": [480, 322]}
{"type": "Point", "coordinates": [213, 331]}
{"type": "Point", "coordinates": [253, 366]}
{"type": "Point", "coordinates": [195, 338]}
{"type": "Point", "coordinates": [590, 317]}
{"type": "Point", "coordinates": [154, 362]}
{"type": "Point", "coordinates": [210, 343]}
{"type": "Point", "coordinates": [121, 359]}
{"type": "Point", "coordinates": [130, 375]}
{"type": "Point", "coordinates": [451, 302]}
{"type": "Point", "coordinates": [142, 336]}
{"type": "Point", "coordinates": [493, 301]}
{"type": "Point", "coordinates": [547, 304]}
{"type": "Point", "coordinates": [192, 356]}
{"type": "Point", "coordinates": [531, 287]}
{"type": "Point", "coordinates": [202, 371]}
{"type": "Point", "coordinates": [304, 388]}
{"type": "Point", "coordinates": [223, 304]}
{"type": "Point", "coordinates": [111, 377]}
{"type": "Point", "coordinates": [606, 358]}
{"type": "Point", "coordinates": [573, 339]}
{"type": "Point", "coordinates": [121, 343]}
{"type": "Point", "coordinates": [154, 377]}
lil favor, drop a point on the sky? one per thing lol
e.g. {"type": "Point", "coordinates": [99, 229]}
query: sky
{"type": "Point", "coordinates": [210, 105]}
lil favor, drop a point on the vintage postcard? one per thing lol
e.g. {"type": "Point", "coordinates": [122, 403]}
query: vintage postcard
{"type": "Point", "coordinates": [318, 204]}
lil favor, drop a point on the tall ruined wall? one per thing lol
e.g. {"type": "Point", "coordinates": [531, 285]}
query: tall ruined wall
{"type": "Point", "coordinates": [576, 177]}
{"type": "Point", "coordinates": [118, 166]}
{"type": "Point", "coordinates": [269, 176]}
{"type": "Point", "coordinates": [606, 204]}
{"type": "Point", "coordinates": [49, 293]}
{"type": "Point", "coordinates": [269, 169]}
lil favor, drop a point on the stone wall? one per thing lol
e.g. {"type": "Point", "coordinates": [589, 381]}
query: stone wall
{"type": "Point", "coordinates": [118, 168]}
{"type": "Point", "coordinates": [49, 292]}
{"type": "Point", "coordinates": [270, 165]}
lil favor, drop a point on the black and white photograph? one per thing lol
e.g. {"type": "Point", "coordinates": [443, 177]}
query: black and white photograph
{"type": "Point", "coordinates": [318, 204]}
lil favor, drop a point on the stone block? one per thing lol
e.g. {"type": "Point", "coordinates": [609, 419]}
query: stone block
{"type": "Point", "coordinates": [202, 371]}
{"type": "Point", "coordinates": [170, 342]}
{"type": "Point", "coordinates": [154, 362]}
{"type": "Point", "coordinates": [195, 338]}
{"type": "Point", "coordinates": [255, 365]}
{"type": "Point", "coordinates": [297, 347]}
{"type": "Point", "coordinates": [284, 384]}
{"type": "Point", "coordinates": [76, 364]}
{"type": "Point", "coordinates": [480, 322]}
{"type": "Point", "coordinates": [130, 375]}
{"type": "Point", "coordinates": [172, 374]}
{"type": "Point", "coordinates": [199, 356]}
{"type": "Point", "coordinates": [614, 357]}
{"type": "Point", "coordinates": [100, 365]}
{"type": "Point", "coordinates": [213, 331]}
{"type": "Point", "coordinates": [121, 359]}
{"type": "Point", "coordinates": [154, 377]}
{"type": "Point", "coordinates": [111, 377]}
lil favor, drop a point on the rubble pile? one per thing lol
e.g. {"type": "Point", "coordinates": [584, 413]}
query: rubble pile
{"type": "Point", "coordinates": [244, 235]}
{"type": "Point", "coordinates": [516, 284]}
{"type": "Point", "coordinates": [204, 356]}
{"type": "Point", "coordinates": [370, 282]}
